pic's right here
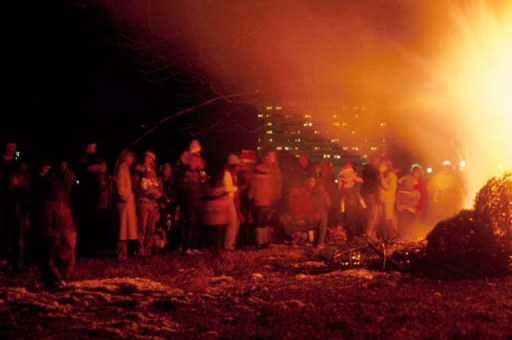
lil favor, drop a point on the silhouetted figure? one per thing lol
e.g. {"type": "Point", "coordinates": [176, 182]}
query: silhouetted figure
{"type": "Point", "coordinates": [67, 178]}
{"type": "Point", "coordinates": [17, 207]}
{"type": "Point", "coordinates": [8, 166]}
{"type": "Point", "coordinates": [54, 223]}
{"type": "Point", "coordinates": [369, 191]}
{"type": "Point", "coordinates": [216, 214]}
{"type": "Point", "coordinates": [124, 197]}
{"type": "Point", "coordinates": [85, 205]}
{"type": "Point", "coordinates": [148, 190]}
{"type": "Point", "coordinates": [265, 192]}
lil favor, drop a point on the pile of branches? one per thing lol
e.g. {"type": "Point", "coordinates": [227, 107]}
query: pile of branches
{"type": "Point", "coordinates": [475, 242]}
{"type": "Point", "coordinates": [376, 255]}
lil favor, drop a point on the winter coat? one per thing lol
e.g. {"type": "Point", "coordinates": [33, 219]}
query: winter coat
{"type": "Point", "coordinates": [125, 203]}
{"type": "Point", "coordinates": [216, 202]}
{"type": "Point", "coordinates": [266, 185]}
{"type": "Point", "coordinates": [387, 189]}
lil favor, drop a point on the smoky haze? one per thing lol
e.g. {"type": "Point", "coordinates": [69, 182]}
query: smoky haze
{"type": "Point", "coordinates": [384, 54]}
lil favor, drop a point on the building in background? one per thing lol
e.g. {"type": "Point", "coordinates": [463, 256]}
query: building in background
{"type": "Point", "coordinates": [336, 134]}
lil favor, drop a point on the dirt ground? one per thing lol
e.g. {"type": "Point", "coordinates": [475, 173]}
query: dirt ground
{"type": "Point", "coordinates": [279, 292]}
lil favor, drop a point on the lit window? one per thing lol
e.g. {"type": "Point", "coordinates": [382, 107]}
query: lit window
{"type": "Point", "coordinates": [307, 116]}
{"type": "Point", "coordinates": [297, 139]}
{"type": "Point", "coordinates": [296, 148]}
{"type": "Point", "coordinates": [260, 115]}
{"type": "Point", "coordinates": [335, 140]}
{"type": "Point", "coordinates": [336, 124]}
{"type": "Point", "coordinates": [278, 148]}
{"type": "Point", "coordinates": [269, 124]}
{"type": "Point", "coordinates": [270, 140]}
{"type": "Point", "coordinates": [316, 148]}
{"type": "Point", "coordinates": [259, 148]}
{"type": "Point", "coordinates": [373, 148]}
{"type": "Point", "coordinates": [279, 107]}
{"type": "Point", "coordinates": [345, 148]}
{"type": "Point", "coordinates": [317, 132]}
{"type": "Point", "coordinates": [287, 148]}
{"type": "Point", "coordinates": [269, 132]}
{"type": "Point", "coordinates": [269, 107]}
{"type": "Point", "coordinates": [354, 132]}
{"type": "Point", "coordinates": [355, 148]}
{"type": "Point", "coordinates": [382, 124]}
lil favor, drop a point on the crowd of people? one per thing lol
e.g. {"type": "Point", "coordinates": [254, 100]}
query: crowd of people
{"type": "Point", "coordinates": [144, 207]}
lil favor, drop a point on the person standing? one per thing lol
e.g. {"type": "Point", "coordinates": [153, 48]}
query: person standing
{"type": "Point", "coordinates": [231, 185]}
{"type": "Point", "coordinates": [191, 177]}
{"type": "Point", "coordinates": [126, 216]}
{"type": "Point", "coordinates": [265, 191]}
{"type": "Point", "coordinates": [67, 178]}
{"type": "Point", "coordinates": [8, 166]}
{"type": "Point", "coordinates": [167, 206]}
{"type": "Point", "coordinates": [369, 192]}
{"type": "Point", "coordinates": [85, 203]}
{"type": "Point", "coordinates": [148, 191]}
{"type": "Point", "coordinates": [410, 199]}
{"type": "Point", "coordinates": [351, 200]}
{"type": "Point", "coordinates": [216, 214]}
{"type": "Point", "coordinates": [387, 196]}
{"type": "Point", "coordinates": [247, 163]}
{"type": "Point", "coordinates": [17, 211]}
{"type": "Point", "coordinates": [57, 230]}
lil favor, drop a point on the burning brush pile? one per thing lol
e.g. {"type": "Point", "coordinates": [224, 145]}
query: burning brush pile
{"type": "Point", "coordinates": [475, 242]}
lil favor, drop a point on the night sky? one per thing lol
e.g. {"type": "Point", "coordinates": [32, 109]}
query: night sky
{"type": "Point", "coordinates": [69, 80]}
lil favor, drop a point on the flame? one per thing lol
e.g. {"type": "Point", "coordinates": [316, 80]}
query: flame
{"type": "Point", "coordinates": [474, 88]}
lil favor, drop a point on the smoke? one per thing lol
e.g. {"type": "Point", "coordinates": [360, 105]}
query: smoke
{"type": "Point", "coordinates": [438, 71]}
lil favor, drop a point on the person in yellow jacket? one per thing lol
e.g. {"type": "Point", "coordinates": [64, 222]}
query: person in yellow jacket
{"type": "Point", "coordinates": [231, 186]}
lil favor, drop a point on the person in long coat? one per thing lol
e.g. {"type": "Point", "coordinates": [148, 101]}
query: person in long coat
{"type": "Point", "coordinates": [125, 204]}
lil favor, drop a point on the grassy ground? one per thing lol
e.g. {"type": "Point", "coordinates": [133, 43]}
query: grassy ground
{"type": "Point", "coordinates": [277, 292]}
